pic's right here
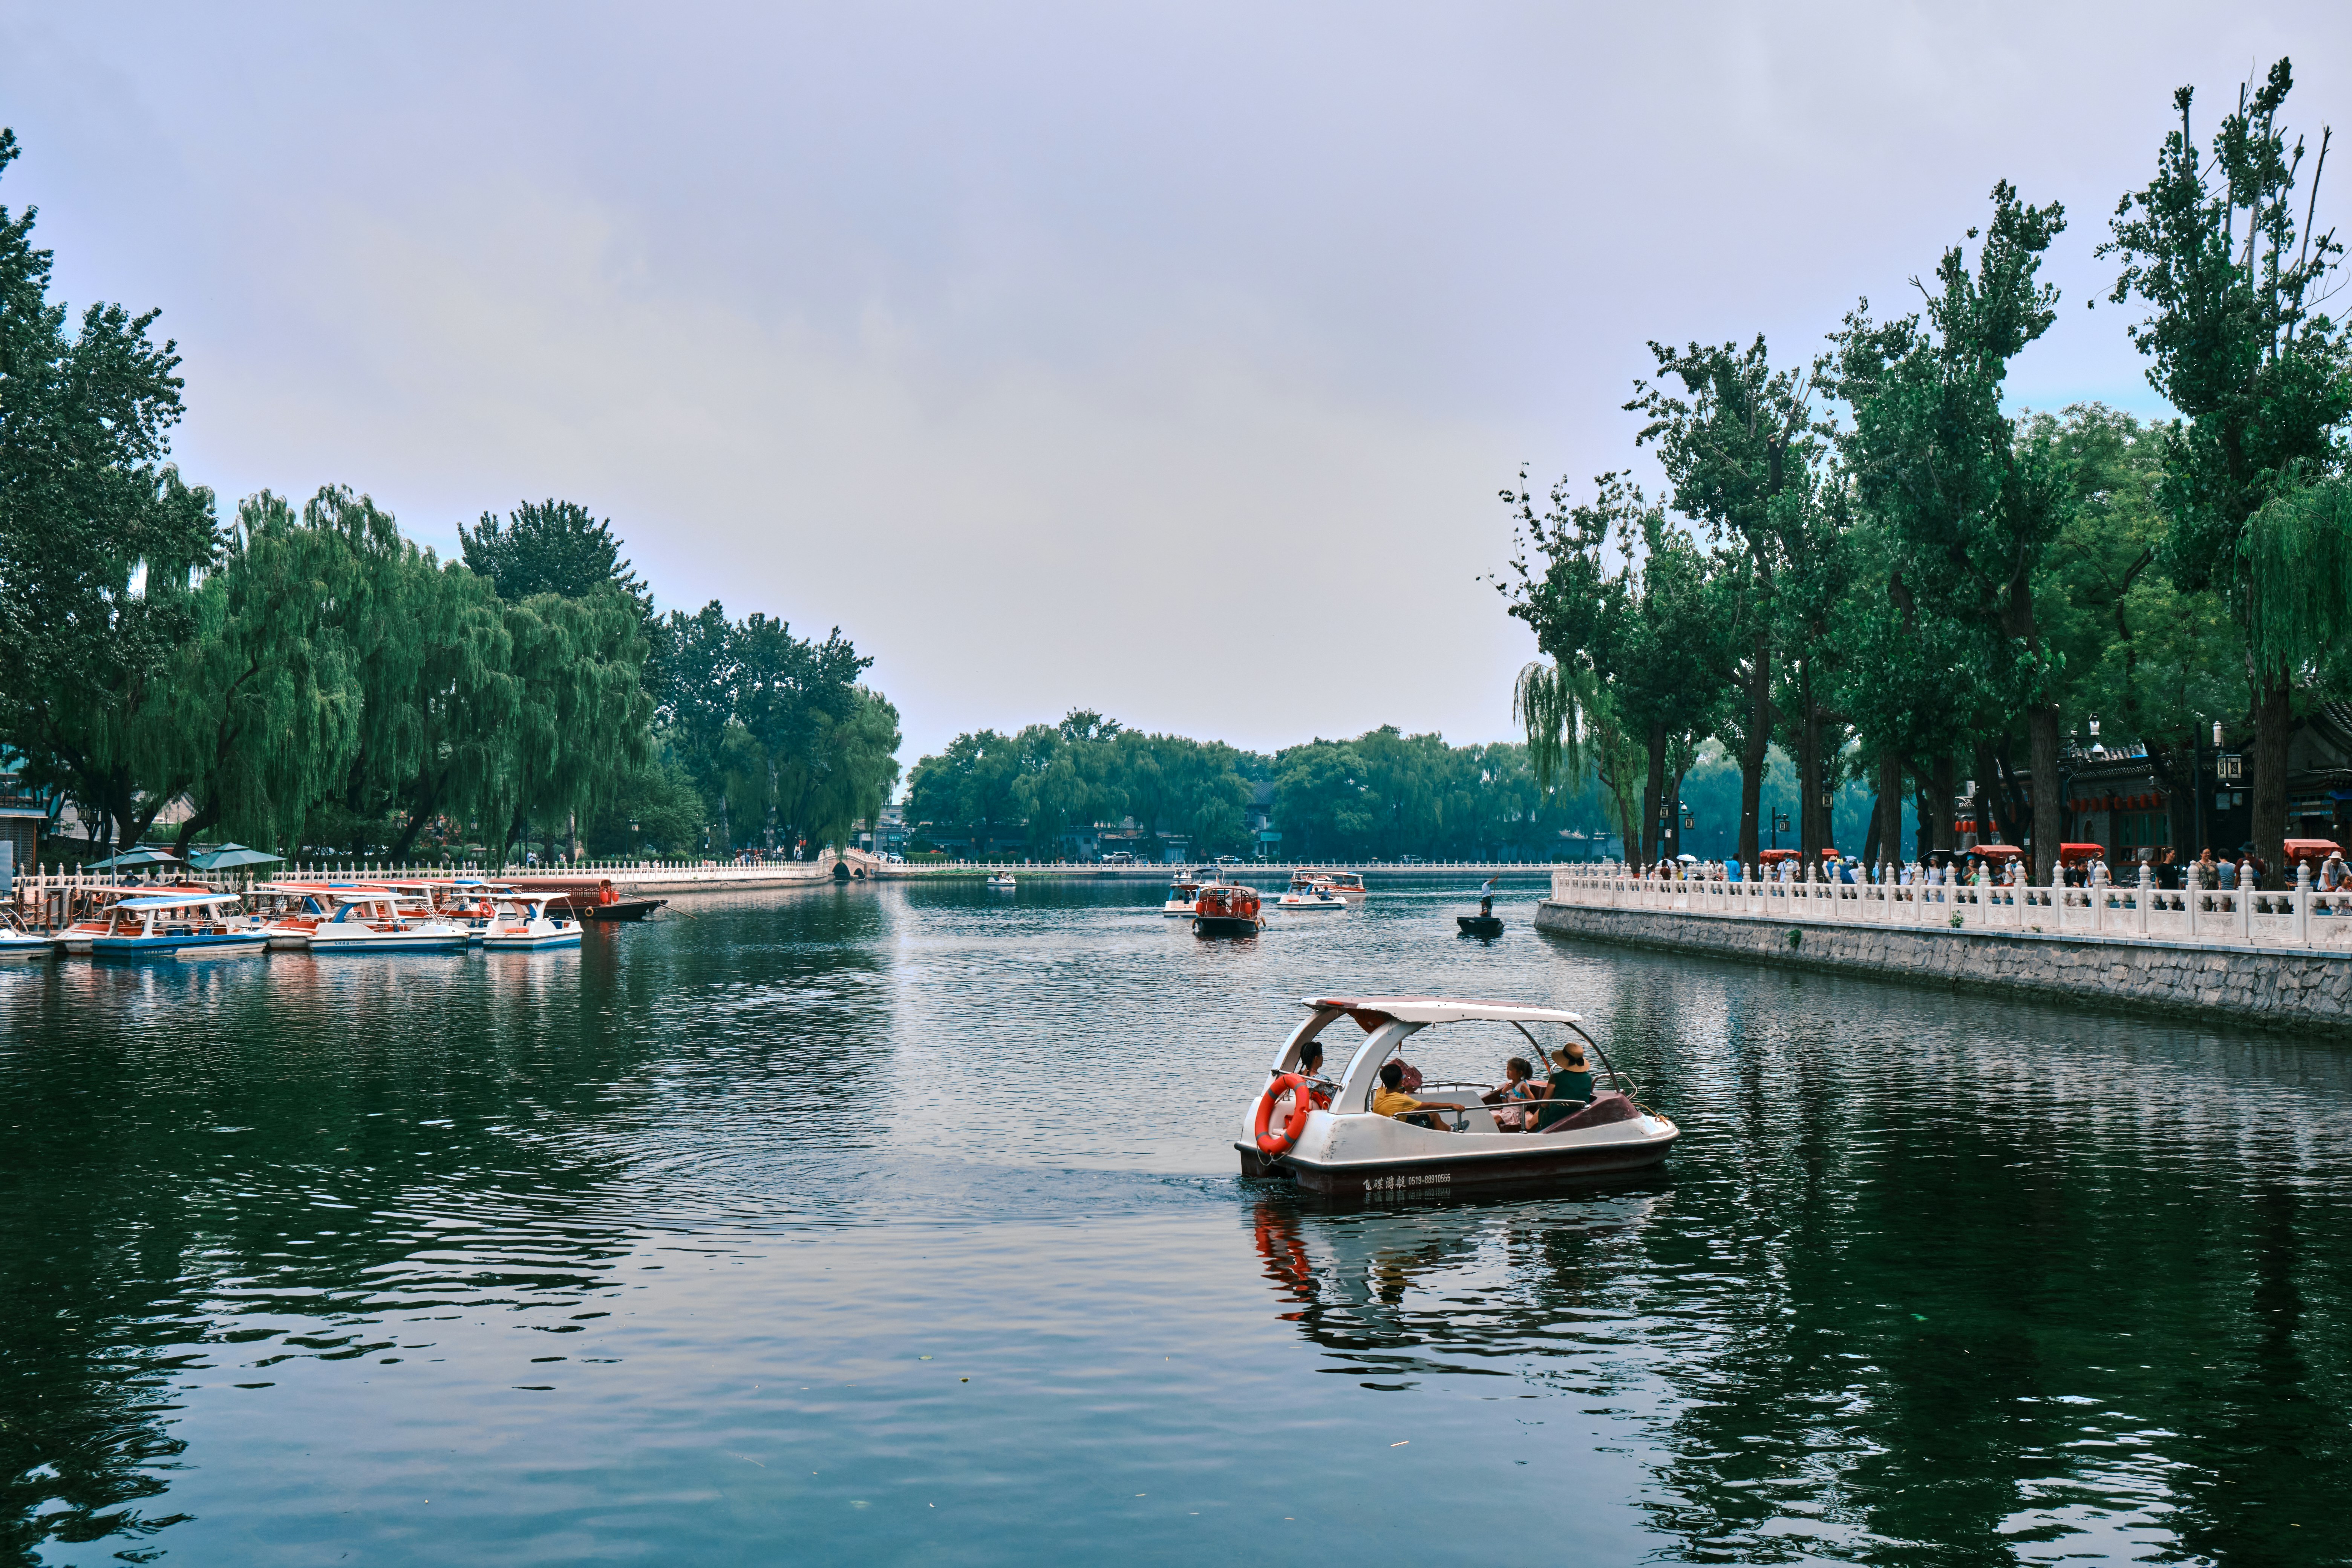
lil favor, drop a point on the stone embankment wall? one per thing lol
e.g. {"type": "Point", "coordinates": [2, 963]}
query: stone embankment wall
{"type": "Point", "coordinates": [2305, 991]}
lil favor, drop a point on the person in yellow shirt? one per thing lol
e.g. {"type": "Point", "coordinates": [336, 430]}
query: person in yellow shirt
{"type": "Point", "coordinates": [1393, 1100]}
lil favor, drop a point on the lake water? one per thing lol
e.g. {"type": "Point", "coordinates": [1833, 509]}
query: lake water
{"type": "Point", "coordinates": [901, 1225]}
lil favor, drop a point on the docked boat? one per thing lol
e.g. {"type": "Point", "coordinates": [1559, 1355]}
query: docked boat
{"type": "Point", "coordinates": [1309, 900]}
{"type": "Point", "coordinates": [1183, 897]}
{"type": "Point", "coordinates": [1324, 1133]}
{"type": "Point", "coordinates": [177, 925]}
{"type": "Point", "coordinates": [1002, 882]}
{"type": "Point", "coordinates": [96, 916]}
{"type": "Point", "coordinates": [288, 911]}
{"type": "Point", "coordinates": [19, 942]}
{"type": "Point", "coordinates": [1227, 909]}
{"type": "Point", "coordinates": [369, 920]}
{"type": "Point", "coordinates": [524, 924]}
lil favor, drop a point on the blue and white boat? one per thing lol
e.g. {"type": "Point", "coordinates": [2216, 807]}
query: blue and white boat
{"type": "Point", "coordinates": [523, 923]}
{"type": "Point", "coordinates": [177, 925]}
{"type": "Point", "coordinates": [368, 920]}
{"type": "Point", "coordinates": [18, 941]}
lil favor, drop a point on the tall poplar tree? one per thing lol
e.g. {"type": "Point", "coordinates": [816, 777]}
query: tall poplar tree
{"type": "Point", "coordinates": [2236, 342]}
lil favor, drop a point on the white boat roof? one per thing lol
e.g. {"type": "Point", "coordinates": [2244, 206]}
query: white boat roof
{"type": "Point", "coordinates": [176, 902]}
{"type": "Point", "coordinates": [1445, 1009]}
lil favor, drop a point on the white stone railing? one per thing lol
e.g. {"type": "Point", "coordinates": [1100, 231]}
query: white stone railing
{"type": "Point", "coordinates": [2303, 917]}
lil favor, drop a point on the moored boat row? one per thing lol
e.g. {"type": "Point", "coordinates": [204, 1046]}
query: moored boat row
{"type": "Point", "coordinates": [314, 917]}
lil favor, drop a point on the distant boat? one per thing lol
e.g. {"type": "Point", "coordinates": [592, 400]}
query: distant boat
{"type": "Point", "coordinates": [1309, 900]}
{"type": "Point", "coordinates": [1349, 885]}
{"type": "Point", "coordinates": [1002, 882]}
{"type": "Point", "coordinates": [1184, 896]}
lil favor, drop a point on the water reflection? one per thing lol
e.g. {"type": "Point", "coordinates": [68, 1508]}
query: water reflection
{"type": "Point", "coordinates": [1929, 1279]}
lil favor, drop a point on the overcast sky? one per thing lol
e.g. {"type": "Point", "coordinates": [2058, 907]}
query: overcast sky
{"type": "Point", "coordinates": [1159, 360]}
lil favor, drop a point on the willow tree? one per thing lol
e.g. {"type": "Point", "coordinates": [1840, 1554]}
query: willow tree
{"type": "Point", "coordinates": [582, 715]}
{"type": "Point", "coordinates": [266, 698]}
{"type": "Point", "coordinates": [1976, 500]}
{"type": "Point", "coordinates": [2262, 377]}
{"type": "Point", "coordinates": [855, 767]}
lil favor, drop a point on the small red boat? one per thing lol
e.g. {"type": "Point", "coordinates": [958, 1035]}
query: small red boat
{"type": "Point", "coordinates": [1224, 909]}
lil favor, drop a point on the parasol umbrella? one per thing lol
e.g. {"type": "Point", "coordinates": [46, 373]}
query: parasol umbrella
{"type": "Point", "coordinates": [141, 856]}
{"type": "Point", "coordinates": [229, 856]}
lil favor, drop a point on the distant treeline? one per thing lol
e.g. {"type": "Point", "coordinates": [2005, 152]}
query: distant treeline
{"type": "Point", "coordinates": [307, 680]}
{"type": "Point", "coordinates": [1383, 794]}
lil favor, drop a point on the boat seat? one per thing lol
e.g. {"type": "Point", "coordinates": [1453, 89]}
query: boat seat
{"type": "Point", "coordinates": [1602, 1108]}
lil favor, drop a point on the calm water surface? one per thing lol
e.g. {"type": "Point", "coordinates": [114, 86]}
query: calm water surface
{"type": "Point", "coordinates": [901, 1225]}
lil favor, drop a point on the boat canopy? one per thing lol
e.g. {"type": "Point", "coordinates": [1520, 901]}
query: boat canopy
{"type": "Point", "coordinates": [1440, 1010]}
{"type": "Point", "coordinates": [177, 901]}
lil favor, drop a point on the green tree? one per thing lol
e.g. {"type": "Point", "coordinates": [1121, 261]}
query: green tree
{"type": "Point", "coordinates": [1975, 502]}
{"type": "Point", "coordinates": [550, 547]}
{"type": "Point", "coordinates": [2262, 377]}
{"type": "Point", "coordinates": [1738, 446]}
{"type": "Point", "coordinates": [98, 536]}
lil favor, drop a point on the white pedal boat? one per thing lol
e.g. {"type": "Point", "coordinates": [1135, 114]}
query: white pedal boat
{"type": "Point", "coordinates": [1002, 882]}
{"type": "Point", "coordinates": [1349, 885]}
{"type": "Point", "coordinates": [178, 925]}
{"type": "Point", "coordinates": [1345, 1148]}
{"type": "Point", "coordinates": [18, 942]}
{"type": "Point", "coordinates": [522, 923]}
{"type": "Point", "coordinates": [368, 920]}
{"type": "Point", "coordinates": [1309, 900]}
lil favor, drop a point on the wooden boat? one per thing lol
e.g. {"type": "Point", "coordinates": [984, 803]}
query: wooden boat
{"type": "Point", "coordinates": [523, 923]}
{"type": "Point", "coordinates": [620, 909]}
{"type": "Point", "coordinates": [177, 925]}
{"type": "Point", "coordinates": [1342, 1146]}
{"type": "Point", "coordinates": [18, 941]}
{"type": "Point", "coordinates": [1480, 925]}
{"type": "Point", "coordinates": [1227, 909]}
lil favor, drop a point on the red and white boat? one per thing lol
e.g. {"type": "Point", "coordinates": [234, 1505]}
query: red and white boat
{"type": "Point", "coordinates": [1349, 885]}
{"type": "Point", "coordinates": [1323, 1133]}
{"type": "Point", "coordinates": [1227, 909]}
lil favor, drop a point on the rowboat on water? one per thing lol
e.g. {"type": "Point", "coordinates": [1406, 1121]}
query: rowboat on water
{"type": "Point", "coordinates": [177, 925]}
{"type": "Point", "coordinates": [1322, 1127]}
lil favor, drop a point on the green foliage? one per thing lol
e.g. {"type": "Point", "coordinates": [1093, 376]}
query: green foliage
{"type": "Point", "coordinates": [98, 535]}
{"type": "Point", "coordinates": [2298, 569]}
{"type": "Point", "coordinates": [550, 547]}
{"type": "Point", "coordinates": [661, 799]}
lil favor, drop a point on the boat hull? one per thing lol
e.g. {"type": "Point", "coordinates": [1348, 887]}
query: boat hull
{"type": "Point", "coordinates": [623, 910]}
{"type": "Point", "coordinates": [1227, 925]}
{"type": "Point", "coordinates": [225, 944]}
{"type": "Point", "coordinates": [1480, 925]}
{"type": "Point", "coordinates": [531, 943]}
{"type": "Point", "coordinates": [401, 943]}
{"type": "Point", "coordinates": [19, 948]}
{"type": "Point", "coordinates": [1477, 1173]}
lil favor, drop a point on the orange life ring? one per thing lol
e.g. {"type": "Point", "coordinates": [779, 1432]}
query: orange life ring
{"type": "Point", "coordinates": [1275, 1144]}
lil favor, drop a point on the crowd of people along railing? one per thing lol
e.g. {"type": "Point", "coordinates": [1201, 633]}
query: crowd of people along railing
{"type": "Point", "coordinates": [2303, 916]}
